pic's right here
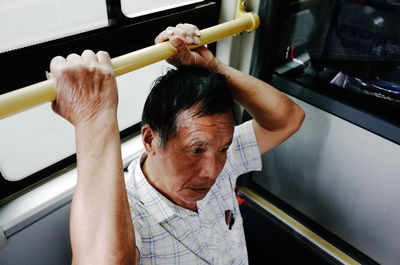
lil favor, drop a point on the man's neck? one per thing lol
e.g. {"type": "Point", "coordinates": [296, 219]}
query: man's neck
{"type": "Point", "coordinates": [152, 174]}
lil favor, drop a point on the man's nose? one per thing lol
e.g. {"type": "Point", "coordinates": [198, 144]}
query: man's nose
{"type": "Point", "coordinates": [212, 166]}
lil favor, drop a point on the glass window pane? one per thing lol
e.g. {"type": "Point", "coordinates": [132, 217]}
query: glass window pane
{"type": "Point", "coordinates": [135, 8]}
{"type": "Point", "coordinates": [354, 45]}
{"type": "Point", "coordinates": [38, 138]}
{"type": "Point", "coordinates": [26, 22]}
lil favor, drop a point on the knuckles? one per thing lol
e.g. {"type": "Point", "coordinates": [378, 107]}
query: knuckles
{"type": "Point", "coordinates": [99, 62]}
{"type": "Point", "coordinates": [182, 30]}
{"type": "Point", "coordinates": [86, 85]}
{"type": "Point", "coordinates": [83, 69]}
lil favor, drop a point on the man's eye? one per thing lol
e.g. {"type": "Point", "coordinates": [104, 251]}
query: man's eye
{"type": "Point", "coordinates": [223, 150]}
{"type": "Point", "coordinates": [197, 150]}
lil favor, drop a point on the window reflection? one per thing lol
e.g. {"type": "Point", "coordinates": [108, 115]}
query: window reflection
{"type": "Point", "coordinates": [352, 44]}
{"type": "Point", "coordinates": [135, 8]}
{"type": "Point", "coordinates": [26, 22]}
{"type": "Point", "coordinates": [37, 138]}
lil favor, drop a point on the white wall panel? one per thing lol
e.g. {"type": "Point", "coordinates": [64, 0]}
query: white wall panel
{"type": "Point", "coordinates": [345, 178]}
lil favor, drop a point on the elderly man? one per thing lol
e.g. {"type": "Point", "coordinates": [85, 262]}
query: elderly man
{"type": "Point", "coordinates": [181, 190]}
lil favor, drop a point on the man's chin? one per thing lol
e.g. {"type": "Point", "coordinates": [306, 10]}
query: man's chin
{"type": "Point", "coordinates": [195, 195]}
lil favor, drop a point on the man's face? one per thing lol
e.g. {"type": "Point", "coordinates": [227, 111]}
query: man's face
{"type": "Point", "coordinates": [192, 160]}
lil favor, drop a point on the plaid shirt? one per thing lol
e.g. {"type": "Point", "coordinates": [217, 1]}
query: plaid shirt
{"type": "Point", "coordinates": [169, 234]}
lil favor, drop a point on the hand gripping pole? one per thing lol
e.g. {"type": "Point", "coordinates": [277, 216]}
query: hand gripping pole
{"type": "Point", "coordinates": [45, 91]}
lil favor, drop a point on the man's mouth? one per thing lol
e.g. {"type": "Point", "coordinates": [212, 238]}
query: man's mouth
{"type": "Point", "coordinates": [202, 191]}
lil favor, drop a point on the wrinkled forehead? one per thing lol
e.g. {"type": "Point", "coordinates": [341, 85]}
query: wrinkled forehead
{"type": "Point", "coordinates": [190, 123]}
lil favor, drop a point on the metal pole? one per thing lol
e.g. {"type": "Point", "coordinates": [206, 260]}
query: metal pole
{"type": "Point", "coordinates": [45, 91]}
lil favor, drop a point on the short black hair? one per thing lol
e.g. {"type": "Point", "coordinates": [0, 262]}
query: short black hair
{"type": "Point", "coordinates": [181, 89]}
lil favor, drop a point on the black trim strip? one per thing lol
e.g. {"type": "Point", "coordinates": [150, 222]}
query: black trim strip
{"type": "Point", "coordinates": [306, 221]}
{"type": "Point", "coordinates": [291, 233]}
{"type": "Point", "coordinates": [358, 117]}
{"type": "Point", "coordinates": [33, 61]}
{"type": "Point", "coordinates": [12, 189]}
{"type": "Point", "coordinates": [371, 113]}
{"type": "Point", "coordinates": [123, 36]}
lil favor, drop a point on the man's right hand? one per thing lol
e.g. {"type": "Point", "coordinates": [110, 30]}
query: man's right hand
{"type": "Point", "coordinates": [86, 86]}
{"type": "Point", "coordinates": [101, 228]}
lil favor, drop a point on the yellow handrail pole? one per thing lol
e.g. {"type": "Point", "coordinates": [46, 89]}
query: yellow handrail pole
{"type": "Point", "coordinates": [45, 91]}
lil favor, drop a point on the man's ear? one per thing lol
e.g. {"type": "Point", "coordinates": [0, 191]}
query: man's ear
{"type": "Point", "coordinates": [150, 139]}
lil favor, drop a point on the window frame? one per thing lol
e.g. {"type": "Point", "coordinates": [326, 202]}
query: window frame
{"type": "Point", "coordinates": [376, 117]}
{"type": "Point", "coordinates": [373, 114]}
{"type": "Point", "coordinates": [120, 37]}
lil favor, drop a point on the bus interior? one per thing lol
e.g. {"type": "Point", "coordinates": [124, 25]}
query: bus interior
{"type": "Point", "coordinates": [327, 195]}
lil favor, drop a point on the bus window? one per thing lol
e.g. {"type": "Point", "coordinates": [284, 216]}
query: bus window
{"type": "Point", "coordinates": [24, 22]}
{"type": "Point", "coordinates": [38, 138]}
{"type": "Point", "coordinates": [36, 144]}
{"type": "Point", "coordinates": [137, 8]}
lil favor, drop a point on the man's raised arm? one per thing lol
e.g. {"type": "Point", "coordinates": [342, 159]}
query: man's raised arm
{"type": "Point", "coordinates": [276, 117]}
{"type": "Point", "coordinates": [101, 228]}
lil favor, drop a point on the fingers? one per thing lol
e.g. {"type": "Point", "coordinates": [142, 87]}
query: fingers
{"type": "Point", "coordinates": [104, 60]}
{"type": "Point", "coordinates": [190, 32]}
{"type": "Point", "coordinates": [89, 57]}
{"type": "Point", "coordinates": [49, 75]}
{"type": "Point", "coordinates": [74, 58]}
{"type": "Point", "coordinates": [187, 32]}
{"type": "Point", "coordinates": [182, 51]}
{"type": "Point", "coordinates": [85, 85]}
{"type": "Point", "coordinates": [59, 63]}
{"type": "Point", "coordinates": [164, 35]}
{"type": "Point", "coordinates": [56, 64]}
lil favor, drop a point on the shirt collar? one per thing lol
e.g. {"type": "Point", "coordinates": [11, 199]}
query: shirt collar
{"type": "Point", "coordinates": [158, 206]}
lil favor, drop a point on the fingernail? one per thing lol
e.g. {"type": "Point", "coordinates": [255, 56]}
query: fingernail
{"type": "Point", "coordinates": [48, 75]}
{"type": "Point", "coordinates": [189, 40]}
{"type": "Point", "coordinates": [170, 32]}
{"type": "Point", "coordinates": [197, 32]}
{"type": "Point", "coordinates": [197, 40]}
{"type": "Point", "coordinates": [175, 41]}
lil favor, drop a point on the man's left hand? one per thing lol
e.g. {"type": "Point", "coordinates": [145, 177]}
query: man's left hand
{"type": "Point", "coordinates": [180, 37]}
